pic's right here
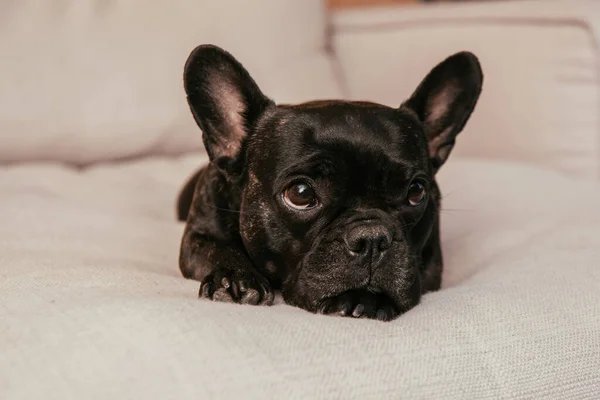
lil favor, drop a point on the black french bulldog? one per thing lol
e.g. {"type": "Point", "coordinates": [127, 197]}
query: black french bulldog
{"type": "Point", "coordinates": [333, 202]}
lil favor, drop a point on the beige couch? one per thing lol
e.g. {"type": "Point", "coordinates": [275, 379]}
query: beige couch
{"type": "Point", "coordinates": [96, 140]}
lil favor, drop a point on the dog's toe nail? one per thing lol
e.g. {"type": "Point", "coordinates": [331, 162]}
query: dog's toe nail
{"type": "Point", "coordinates": [264, 288]}
{"type": "Point", "coordinates": [204, 290]}
{"type": "Point", "coordinates": [243, 286]}
{"type": "Point", "coordinates": [267, 296]}
{"type": "Point", "coordinates": [344, 308]}
{"type": "Point", "coordinates": [381, 315]}
{"type": "Point", "coordinates": [358, 310]}
{"type": "Point", "coordinates": [323, 307]}
{"type": "Point", "coordinates": [222, 295]}
{"type": "Point", "coordinates": [251, 296]}
{"type": "Point", "coordinates": [225, 283]}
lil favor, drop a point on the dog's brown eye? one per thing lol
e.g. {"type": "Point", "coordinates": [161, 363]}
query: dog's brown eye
{"type": "Point", "coordinates": [301, 196]}
{"type": "Point", "coordinates": [416, 193]}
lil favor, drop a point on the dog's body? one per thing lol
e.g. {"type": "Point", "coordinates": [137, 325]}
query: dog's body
{"type": "Point", "coordinates": [333, 202]}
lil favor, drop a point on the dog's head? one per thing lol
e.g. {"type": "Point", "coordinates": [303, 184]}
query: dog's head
{"type": "Point", "coordinates": [333, 195]}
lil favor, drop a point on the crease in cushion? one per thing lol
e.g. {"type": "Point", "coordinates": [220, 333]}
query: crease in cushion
{"type": "Point", "coordinates": [540, 102]}
{"type": "Point", "coordinates": [86, 81]}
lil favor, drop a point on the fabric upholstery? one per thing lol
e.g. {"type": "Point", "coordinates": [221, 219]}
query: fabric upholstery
{"type": "Point", "coordinates": [540, 99]}
{"type": "Point", "coordinates": [85, 81]}
{"type": "Point", "coordinates": [92, 304]}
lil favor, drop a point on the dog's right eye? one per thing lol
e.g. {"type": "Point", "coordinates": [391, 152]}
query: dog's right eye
{"type": "Point", "coordinates": [300, 196]}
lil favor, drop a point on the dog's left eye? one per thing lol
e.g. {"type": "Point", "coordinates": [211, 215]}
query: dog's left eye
{"type": "Point", "coordinates": [416, 193]}
{"type": "Point", "coordinates": [300, 196]}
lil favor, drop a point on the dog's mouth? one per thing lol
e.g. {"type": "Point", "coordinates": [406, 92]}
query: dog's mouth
{"type": "Point", "coordinates": [373, 289]}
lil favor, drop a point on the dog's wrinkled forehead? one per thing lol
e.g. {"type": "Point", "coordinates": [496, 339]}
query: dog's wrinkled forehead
{"type": "Point", "coordinates": [330, 135]}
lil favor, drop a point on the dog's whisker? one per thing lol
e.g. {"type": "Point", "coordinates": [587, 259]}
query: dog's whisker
{"type": "Point", "coordinates": [225, 209]}
{"type": "Point", "coordinates": [455, 209]}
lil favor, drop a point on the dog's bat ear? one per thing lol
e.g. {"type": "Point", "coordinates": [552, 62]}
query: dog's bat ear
{"type": "Point", "coordinates": [224, 100]}
{"type": "Point", "coordinates": [445, 100]}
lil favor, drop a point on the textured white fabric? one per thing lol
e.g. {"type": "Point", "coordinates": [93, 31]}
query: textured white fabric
{"type": "Point", "coordinates": [86, 80]}
{"type": "Point", "coordinates": [540, 99]}
{"type": "Point", "coordinates": [92, 304]}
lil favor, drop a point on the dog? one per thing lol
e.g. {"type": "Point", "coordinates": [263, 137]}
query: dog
{"type": "Point", "coordinates": [333, 202]}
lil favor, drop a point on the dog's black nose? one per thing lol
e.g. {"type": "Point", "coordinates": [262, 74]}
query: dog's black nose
{"type": "Point", "coordinates": [370, 240]}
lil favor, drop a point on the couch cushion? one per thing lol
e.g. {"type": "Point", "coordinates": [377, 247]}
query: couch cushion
{"type": "Point", "coordinates": [86, 81]}
{"type": "Point", "coordinates": [92, 304]}
{"type": "Point", "coordinates": [540, 99]}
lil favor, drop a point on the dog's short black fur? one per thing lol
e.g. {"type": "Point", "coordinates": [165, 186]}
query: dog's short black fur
{"type": "Point", "coordinates": [333, 202]}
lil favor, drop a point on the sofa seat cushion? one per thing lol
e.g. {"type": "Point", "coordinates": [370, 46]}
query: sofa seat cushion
{"type": "Point", "coordinates": [93, 306]}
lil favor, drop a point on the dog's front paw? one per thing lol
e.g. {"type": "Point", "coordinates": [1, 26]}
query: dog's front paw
{"type": "Point", "coordinates": [360, 304]}
{"type": "Point", "coordinates": [237, 286]}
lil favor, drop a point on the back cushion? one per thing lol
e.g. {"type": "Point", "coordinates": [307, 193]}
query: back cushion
{"type": "Point", "coordinates": [84, 80]}
{"type": "Point", "coordinates": [540, 95]}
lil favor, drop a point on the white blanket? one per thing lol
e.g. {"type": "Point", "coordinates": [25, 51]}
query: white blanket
{"type": "Point", "coordinates": [92, 304]}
